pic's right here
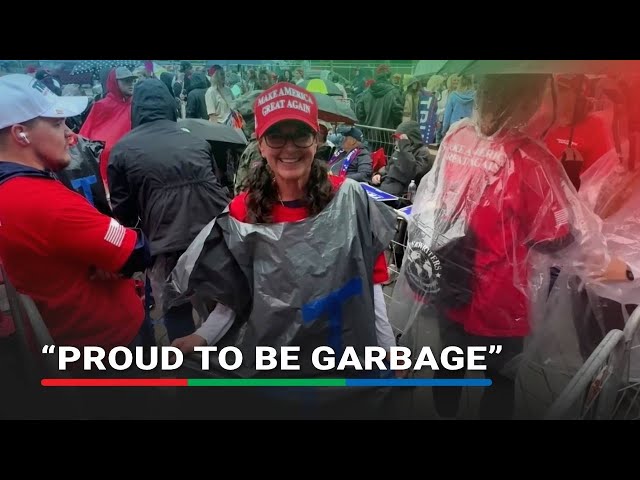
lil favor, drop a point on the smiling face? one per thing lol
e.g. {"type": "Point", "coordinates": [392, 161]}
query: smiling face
{"type": "Point", "coordinates": [289, 148]}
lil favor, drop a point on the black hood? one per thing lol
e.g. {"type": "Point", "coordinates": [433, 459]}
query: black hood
{"type": "Point", "coordinates": [411, 129]}
{"type": "Point", "coordinates": [198, 80]}
{"type": "Point", "coordinates": [380, 88]}
{"type": "Point", "coordinates": [151, 102]}
{"type": "Point", "coordinates": [9, 170]}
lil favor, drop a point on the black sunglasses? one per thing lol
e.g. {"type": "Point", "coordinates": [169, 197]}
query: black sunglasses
{"type": "Point", "coordinates": [300, 138]}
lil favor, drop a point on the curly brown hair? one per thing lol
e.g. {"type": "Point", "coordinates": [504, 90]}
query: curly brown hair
{"type": "Point", "coordinates": [262, 191]}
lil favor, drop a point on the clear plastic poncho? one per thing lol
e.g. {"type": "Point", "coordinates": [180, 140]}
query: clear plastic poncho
{"type": "Point", "coordinates": [580, 310]}
{"type": "Point", "coordinates": [490, 221]}
{"type": "Point", "coordinates": [613, 192]}
{"type": "Point", "coordinates": [493, 216]}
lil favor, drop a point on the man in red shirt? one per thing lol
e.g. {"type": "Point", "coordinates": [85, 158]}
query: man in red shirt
{"type": "Point", "coordinates": [55, 246]}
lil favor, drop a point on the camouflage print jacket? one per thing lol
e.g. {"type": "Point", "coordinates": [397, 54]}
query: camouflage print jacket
{"type": "Point", "coordinates": [250, 157]}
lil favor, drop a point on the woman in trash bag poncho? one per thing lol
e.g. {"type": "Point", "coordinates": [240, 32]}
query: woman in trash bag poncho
{"type": "Point", "coordinates": [297, 260]}
{"type": "Point", "coordinates": [495, 204]}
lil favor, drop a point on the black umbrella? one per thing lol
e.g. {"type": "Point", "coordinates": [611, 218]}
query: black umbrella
{"type": "Point", "coordinates": [212, 132]}
{"type": "Point", "coordinates": [333, 111]}
{"type": "Point", "coordinates": [87, 66]}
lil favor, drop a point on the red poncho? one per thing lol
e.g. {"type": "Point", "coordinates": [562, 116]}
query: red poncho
{"type": "Point", "coordinates": [108, 121]}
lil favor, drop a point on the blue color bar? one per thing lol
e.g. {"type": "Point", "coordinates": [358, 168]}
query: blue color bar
{"type": "Point", "coordinates": [419, 382]}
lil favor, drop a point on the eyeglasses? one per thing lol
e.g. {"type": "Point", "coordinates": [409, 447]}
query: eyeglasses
{"type": "Point", "coordinates": [301, 139]}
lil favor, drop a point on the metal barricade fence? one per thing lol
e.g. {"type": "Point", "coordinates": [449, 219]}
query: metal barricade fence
{"type": "Point", "coordinates": [604, 387]}
{"type": "Point", "coordinates": [31, 334]}
{"type": "Point", "coordinates": [378, 138]}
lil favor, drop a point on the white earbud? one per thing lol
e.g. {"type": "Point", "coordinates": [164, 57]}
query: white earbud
{"type": "Point", "coordinates": [24, 137]}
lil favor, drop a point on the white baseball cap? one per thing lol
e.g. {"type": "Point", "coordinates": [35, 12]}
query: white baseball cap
{"type": "Point", "coordinates": [23, 98]}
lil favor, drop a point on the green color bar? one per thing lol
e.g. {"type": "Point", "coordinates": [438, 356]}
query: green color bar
{"type": "Point", "coordinates": [266, 382]}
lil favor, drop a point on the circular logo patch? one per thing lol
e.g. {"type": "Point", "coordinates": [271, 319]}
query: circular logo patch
{"type": "Point", "coordinates": [424, 270]}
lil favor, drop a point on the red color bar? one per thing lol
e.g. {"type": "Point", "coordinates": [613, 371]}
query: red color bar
{"type": "Point", "coordinates": [114, 382]}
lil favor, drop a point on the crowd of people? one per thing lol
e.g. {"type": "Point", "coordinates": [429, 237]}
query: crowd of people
{"type": "Point", "coordinates": [291, 250]}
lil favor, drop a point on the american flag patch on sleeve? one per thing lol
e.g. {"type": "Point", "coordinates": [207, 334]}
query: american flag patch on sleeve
{"type": "Point", "coordinates": [562, 217]}
{"type": "Point", "coordinates": [115, 233]}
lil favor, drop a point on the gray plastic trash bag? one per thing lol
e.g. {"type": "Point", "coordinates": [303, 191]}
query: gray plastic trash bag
{"type": "Point", "coordinates": [306, 283]}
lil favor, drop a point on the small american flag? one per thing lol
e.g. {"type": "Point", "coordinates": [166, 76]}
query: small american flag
{"type": "Point", "coordinates": [562, 217]}
{"type": "Point", "coordinates": [115, 233]}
